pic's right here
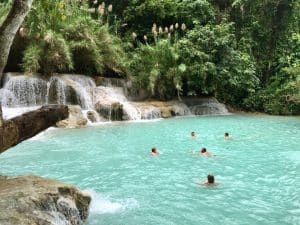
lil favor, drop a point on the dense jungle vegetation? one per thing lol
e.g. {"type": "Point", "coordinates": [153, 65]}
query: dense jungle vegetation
{"type": "Point", "coordinates": [244, 52]}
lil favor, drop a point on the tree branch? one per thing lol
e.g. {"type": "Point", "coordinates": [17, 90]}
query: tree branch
{"type": "Point", "coordinates": [9, 28]}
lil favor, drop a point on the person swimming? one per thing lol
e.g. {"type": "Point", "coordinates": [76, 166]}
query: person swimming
{"type": "Point", "coordinates": [226, 136]}
{"type": "Point", "coordinates": [154, 152]}
{"type": "Point", "coordinates": [210, 180]}
{"type": "Point", "coordinates": [204, 152]}
{"type": "Point", "coordinates": [193, 134]}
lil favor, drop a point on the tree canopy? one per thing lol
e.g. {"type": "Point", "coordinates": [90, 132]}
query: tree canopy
{"type": "Point", "coordinates": [244, 52]}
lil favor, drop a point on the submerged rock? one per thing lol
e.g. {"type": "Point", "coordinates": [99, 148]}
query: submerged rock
{"type": "Point", "coordinates": [32, 200]}
{"type": "Point", "coordinates": [76, 118]}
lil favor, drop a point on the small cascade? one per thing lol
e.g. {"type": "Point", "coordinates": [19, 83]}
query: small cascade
{"type": "Point", "coordinates": [150, 112]}
{"type": "Point", "coordinates": [206, 106]}
{"type": "Point", "coordinates": [132, 112]}
{"type": "Point", "coordinates": [23, 91]}
{"type": "Point", "coordinates": [112, 104]}
{"type": "Point", "coordinates": [56, 93]}
{"type": "Point", "coordinates": [83, 87]}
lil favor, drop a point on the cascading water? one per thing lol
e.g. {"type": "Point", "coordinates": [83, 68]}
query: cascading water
{"type": "Point", "coordinates": [83, 87]}
{"type": "Point", "coordinates": [21, 93]}
{"type": "Point", "coordinates": [114, 96]}
{"type": "Point", "coordinates": [56, 92]}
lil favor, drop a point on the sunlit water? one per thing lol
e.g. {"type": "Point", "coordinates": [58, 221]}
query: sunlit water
{"type": "Point", "coordinates": [258, 169]}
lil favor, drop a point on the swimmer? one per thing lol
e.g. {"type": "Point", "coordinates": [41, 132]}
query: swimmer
{"type": "Point", "coordinates": [210, 181]}
{"type": "Point", "coordinates": [193, 134]}
{"type": "Point", "coordinates": [226, 136]}
{"type": "Point", "coordinates": [154, 152]}
{"type": "Point", "coordinates": [204, 152]}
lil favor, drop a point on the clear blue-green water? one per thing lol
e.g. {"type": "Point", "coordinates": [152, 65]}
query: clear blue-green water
{"type": "Point", "coordinates": [258, 169]}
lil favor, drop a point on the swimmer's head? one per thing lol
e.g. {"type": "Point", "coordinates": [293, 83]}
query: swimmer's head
{"type": "Point", "coordinates": [210, 179]}
{"type": "Point", "coordinates": [154, 150]}
{"type": "Point", "coordinates": [226, 134]}
{"type": "Point", "coordinates": [193, 134]}
{"type": "Point", "coordinates": [203, 150]}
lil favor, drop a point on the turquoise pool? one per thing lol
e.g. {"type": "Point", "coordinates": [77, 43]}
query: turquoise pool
{"type": "Point", "coordinates": [258, 169]}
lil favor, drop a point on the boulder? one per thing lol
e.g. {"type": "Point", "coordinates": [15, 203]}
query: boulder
{"type": "Point", "coordinates": [103, 109]}
{"type": "Point", "coordinates": [32, 200]}
{"type": "Point", "coordinates": [166, 112]}
{"type": "Point", "coordinates": [76, 118]}
{"type": "Point", "coordinates": [170, 108]}
{"type": "Point", "coordinates": [110, 111]}
{"type": "Point", "coordinates": [116, 111]}
{"type": "Point", "coordinates": [92, 116]}
{"type": "Point", "coordinates": [61, 92]}
{"type": "Point", "coordinates": [179, 109]}
{"type": "Point", "coordinates": [22, 127]}
{"type": "Point", "coordinates": [205, 106]}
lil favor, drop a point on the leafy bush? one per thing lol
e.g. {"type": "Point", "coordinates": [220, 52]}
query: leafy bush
{"type": "Point", "coordinates": [215, 66]}
{"type": "Point", "coordinates": [63, 37]}
{"type": "Point", "coordinates": [4, 7]}
{"type": "Point", "coordinates": [157, 68]}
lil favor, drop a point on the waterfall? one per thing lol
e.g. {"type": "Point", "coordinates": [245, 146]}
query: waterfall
{"type": "Point", "coordinates": [83, 87]}
{"type": "Point", "coordinates": [56, 91]}
{"type": "Point", "coordinates": [23, 91]}
{"type": "Point", "coordinates": [108, 100]}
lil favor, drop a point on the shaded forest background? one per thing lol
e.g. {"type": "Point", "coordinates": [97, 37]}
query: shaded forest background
{"type": "Point", "coordinates": [244, 52]}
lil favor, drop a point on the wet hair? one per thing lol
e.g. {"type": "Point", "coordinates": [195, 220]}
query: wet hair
{"type": "Point", "coordinates": [193, 133]}
{"type": "Point", "coordinates": [154, 149]}
{"type": "Point", "coordinates": [226, 134]}
{"type": "Point", "coordinates": [210, 179]}
{"type": "Point", "coordinates": [203, 150]}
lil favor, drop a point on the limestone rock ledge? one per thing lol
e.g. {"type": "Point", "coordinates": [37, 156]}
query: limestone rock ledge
{"type": "Point", "coordinates": [32, 200]}
{"type": "Point", "coordinates": [76, 118]}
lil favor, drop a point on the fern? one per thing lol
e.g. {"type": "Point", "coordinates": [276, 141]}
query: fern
{"type": "Point", "coordinates": [31, 58]}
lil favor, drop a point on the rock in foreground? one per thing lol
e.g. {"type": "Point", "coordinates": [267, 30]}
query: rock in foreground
{"type": "Point", "coordinates": [32, 200]}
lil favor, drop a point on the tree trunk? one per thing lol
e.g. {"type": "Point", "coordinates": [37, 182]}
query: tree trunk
{"type": "Point", "coordinates": [10, 27]}
{"type": "Point", "coordinates": [20, 128]}
{"type": "Point", "coordinates": [1, 118]}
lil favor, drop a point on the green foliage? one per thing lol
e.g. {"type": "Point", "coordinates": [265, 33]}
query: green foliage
{"type": "Point", "coordinates": [244, 52]}
{"type": "Point", "coordinates": [156, 67]}
{"type": "Point", "coordinates": [215, 66]}
{"type": "Point", "coordinates": [282, 95]}
{"type": "Point", "coordinates": [4, 8]}
{"type": "Point", "coordinates": [162, 12]}
{"type": "Point", "coordinates": [69, 39]}
{"type": "Point", "coordinates": [31, 59]}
